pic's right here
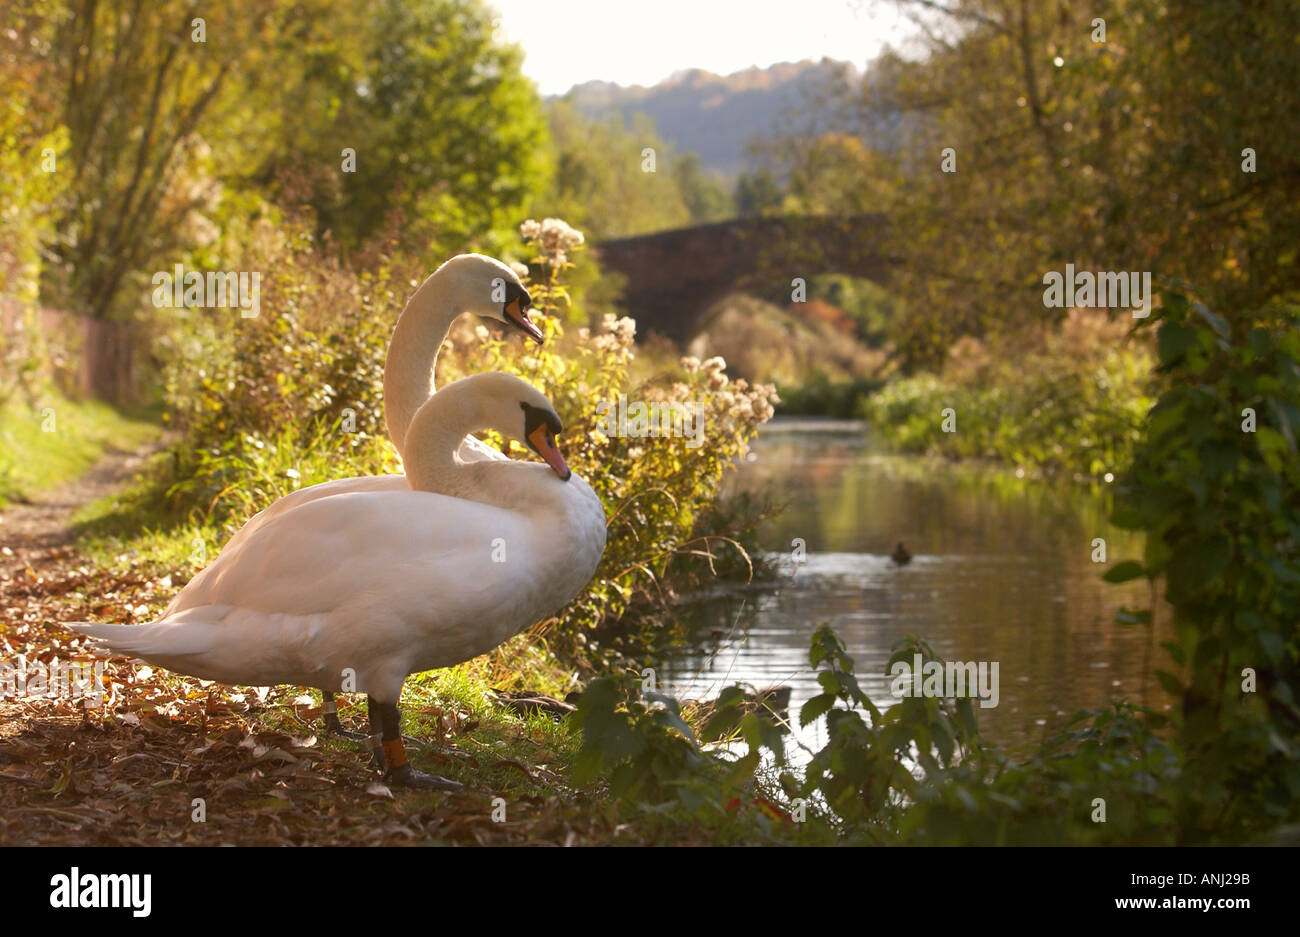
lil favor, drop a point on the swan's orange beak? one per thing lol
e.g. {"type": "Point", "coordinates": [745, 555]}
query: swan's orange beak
{"type": "Point", "coordinates": [517, 316]}
{"type": "Point", "coordinates": [543, 443]}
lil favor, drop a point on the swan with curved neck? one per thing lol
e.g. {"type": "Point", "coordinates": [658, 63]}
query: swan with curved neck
{"type": "Point", "coordinates": [466, 283]}
{"type": "Point", "coordinates": [473, 283]}
{"type": "Point", "coordinates": [377, 585]}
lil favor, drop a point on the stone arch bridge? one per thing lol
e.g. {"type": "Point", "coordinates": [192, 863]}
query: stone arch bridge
{"type": "Point", "coordinates": [674, 277]}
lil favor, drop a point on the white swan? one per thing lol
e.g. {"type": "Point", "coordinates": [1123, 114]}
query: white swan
{"type": "Point", "coordinates": [382, 584]}
{"type": "Point", "coordinates": [467, 283]}
{"type": "Point", "coordinates": [472, 283]}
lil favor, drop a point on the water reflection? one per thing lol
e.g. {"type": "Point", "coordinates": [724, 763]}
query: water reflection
{"type": "Point", "coordinates": [1002, 571]}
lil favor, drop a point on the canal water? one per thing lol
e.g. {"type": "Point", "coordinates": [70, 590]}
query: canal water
{"type": "Point", "coordinates": [1002, 571]}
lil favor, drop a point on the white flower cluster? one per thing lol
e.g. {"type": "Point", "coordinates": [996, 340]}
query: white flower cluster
{"type": "Point", "coordinates": [555, 237]}
{"type": "Point", "coordinates": [616, 334]}
{"type": "Point", "coordinates": [740, 402]}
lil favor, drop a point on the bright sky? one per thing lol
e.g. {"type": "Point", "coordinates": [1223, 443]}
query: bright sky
{"type": "Point", "coordinates": [640, 42]}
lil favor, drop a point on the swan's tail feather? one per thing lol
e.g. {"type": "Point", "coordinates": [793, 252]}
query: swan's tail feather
{"type": "Point", "coordinates": [160, 638]}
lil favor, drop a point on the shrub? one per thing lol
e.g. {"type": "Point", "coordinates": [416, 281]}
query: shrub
{"type": "Point", "coordinates": [1216, 487]}
{"type": "Point", "coordinates": [1075, 407]}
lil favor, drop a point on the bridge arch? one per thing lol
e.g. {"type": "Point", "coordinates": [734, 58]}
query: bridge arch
{"type": "Point", "coordinates": [674, 277]}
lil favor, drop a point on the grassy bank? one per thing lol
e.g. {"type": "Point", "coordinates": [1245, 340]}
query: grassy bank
{"type": "Point", "coordinates": [1070, 402]}
{"type": "Point", "coordinates": [57, 439]}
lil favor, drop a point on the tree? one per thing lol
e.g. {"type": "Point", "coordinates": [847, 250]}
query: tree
{"type": "Point", "coordinates": [705, 198]}
{"type": "Point", "coordinates": [31, 141]}
{"type": "Point", "coordinates": [757, 193]}
{"type": "Point", "coordinates": [31, 190]}
{"type": "Point", "coordinates": [1067, 149]}
{"type": "Point", "coordinates": [605, 181]}
{"type": "Point", "coordinates": [137, 81]}
{"type": "Point", "coordinates": [444, 126]}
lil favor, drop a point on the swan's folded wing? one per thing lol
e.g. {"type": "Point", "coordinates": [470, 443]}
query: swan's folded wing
{"type": "Point", "coordinates": [475, 450]}
{"type": "Point", "coordinates": [339, 486]}
{"type": "Point", "coordinates": [195, 594]}
{"type": "Point", "coordinates": [354, 549]}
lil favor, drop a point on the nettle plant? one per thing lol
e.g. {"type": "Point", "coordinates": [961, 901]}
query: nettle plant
{"type": "Point", "coordinates": [651, 757]}
{"type": "Point", "coordinates": [856, 788]}
{"type": "Point", "coordinates": [657, 490]}
{"type": "Point", "coordinates": [871, 767]}
{"type": "Point", "coordinates": [1216, 487]}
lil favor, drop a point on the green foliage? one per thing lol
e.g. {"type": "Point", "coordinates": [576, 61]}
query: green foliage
{"type": "Point", "coordinates": [31, 189]}
{"type": "Point", "coordinates": [821, 396]}
{"type": "Point", "coordinates": [599, 184]}
{"type": "Point", "coordinates": [870, 306]}
{"type": "Point", "coordinates": [450, 137]}
{"type": "Point", "coordinates": [1067, 149]}
{"type": "Point", "coordinates": [638, 742]}
{"type": "Point", "coordinates": [647, 748]}
{"type": "Point", "coordinates": [165, 123]}
{"type": "Point", "coordinates": [1220, 506]}
{"type": "Point", "coordinates": [1073, 407]}
{"type": "Point", "coordinates": [706, 199]}
{"type": "Point", "coordinates": [263, 411]}
{"type": "Point", "coordinates": [1051, 798]}
{"type": "Point", "coordinates": [913, 773]}
{"type": "Point", "coordinates": [1219, 499]}
{"type": "Point", "coordinates": [864, 773]}
{"type": "Point", "coordinates": [758, 193]}
{"type": "Point", "coordinates": [137, 93]}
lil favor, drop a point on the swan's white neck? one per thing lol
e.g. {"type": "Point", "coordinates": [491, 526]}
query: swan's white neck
{"type": "Point", "coordinates": [413, 352]}
{"type": "Point", "coordinates": [435, 433]}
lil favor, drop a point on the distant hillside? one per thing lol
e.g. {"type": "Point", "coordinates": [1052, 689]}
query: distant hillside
{"type": "Point", "coordinates": [715, 115]}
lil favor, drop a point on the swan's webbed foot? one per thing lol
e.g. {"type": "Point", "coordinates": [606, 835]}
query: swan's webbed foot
{"type": "Point", "coordinates": [406, 776]}
{"type": "Point", "coordinates": [388, 753]}
{"type": "Point", "coordinates": [330, 714]}
{"type": "Point", "coordinates": [335, 728]}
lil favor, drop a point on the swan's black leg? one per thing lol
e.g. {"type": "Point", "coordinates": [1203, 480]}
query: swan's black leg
{"type": "Point", "coordinates": [390, 751]}
{"type": "Point", "coordinates": [330, 711]}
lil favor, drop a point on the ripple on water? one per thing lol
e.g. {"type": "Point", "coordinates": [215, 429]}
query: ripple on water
{"type": "Point", "coordinates": [1001, 571]}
